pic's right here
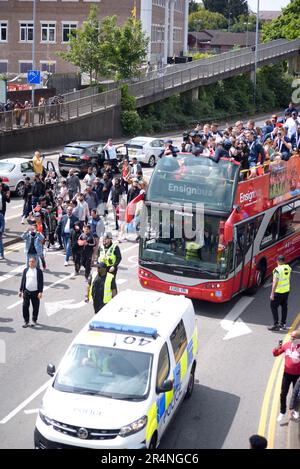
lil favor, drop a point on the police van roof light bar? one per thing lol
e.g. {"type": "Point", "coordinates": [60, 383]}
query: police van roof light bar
{"type": "Point", "coordinates": [123, 328]}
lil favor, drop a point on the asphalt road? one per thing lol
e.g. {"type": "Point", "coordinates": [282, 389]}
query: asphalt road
{"type": "Point", "coordinates": [234, 364]}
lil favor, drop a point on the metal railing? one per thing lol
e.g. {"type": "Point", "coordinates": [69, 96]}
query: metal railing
{"type": "Point", "coordinates": [88, 100]}
{"type": "Point", "coordinates": [16, 119]}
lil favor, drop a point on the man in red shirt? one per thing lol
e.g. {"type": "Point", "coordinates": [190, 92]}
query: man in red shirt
{"type": "Point", "coordinates": [291, 368]}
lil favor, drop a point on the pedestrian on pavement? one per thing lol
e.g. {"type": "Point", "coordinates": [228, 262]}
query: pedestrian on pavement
{"type": "Point", "coordinates": [1, 235]}
{"type": "Point", "coordinates": [73, 184]}
{"type": "Point", "coordinates": [65, 225]}
{"type": "Point", "coordinates": [87, 242]}
{"type": "Point", "coordinates": [295, 399]}
{"type": "Point", "coordinates": [33, 244]}
{"type": "Point", "coordinates": [101, 287]}
{"type": "Point", "coordinates": [291, 372]}
{"type": "Point", "coordinates": [280, 293]}
{"type": "Point", "coordinates": [76, 249]}
{"type": "Point", "coordinates": [38, 190]}
{"type": "Point", "coordinates": [31, 290]}
{"type": "Point", "coordinates": [110, 254]}
{"type": "Point", "coordinates": [258, 442]}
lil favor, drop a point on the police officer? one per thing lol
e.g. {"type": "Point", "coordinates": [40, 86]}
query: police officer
{"type": "Point", "coordinates": [101, 287]}
{"type": "Point", "coordinates": [110, 254]}
{"type": "Point", "coordinates": [280, 293]}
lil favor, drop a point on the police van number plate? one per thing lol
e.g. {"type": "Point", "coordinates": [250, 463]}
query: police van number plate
{"type": "Point", "coordinates": [179, 290]}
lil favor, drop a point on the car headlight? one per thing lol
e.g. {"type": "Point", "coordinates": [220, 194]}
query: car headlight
{"type": "Point", "coordinates": [134, 427]}
{"type": "Point", "coordinates": [46, 419]}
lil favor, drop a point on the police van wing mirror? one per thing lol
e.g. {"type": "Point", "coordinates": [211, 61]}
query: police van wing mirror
{"type": "Point", "coordinates": [166, 386]}
{"type": "Point", "coordinates": [51, 369]}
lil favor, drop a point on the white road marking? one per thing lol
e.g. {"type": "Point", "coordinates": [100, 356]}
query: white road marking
{"type": "Point", "coordinates": [25, 403]}
{"type": "Point", "coordinates": [267, 285]}
{"type": "Point", "coordinates": [31, 411]}
{"type": "Point", "coordinates": [12, 217]}
{"type": "Point", "coordinates": [56, 306]}
{"type": "Point", "coordinates": [46, 288]}
{"type": "Point", "coordinates": [129, 249]}
{"type": "Point", "coordinates": [236, 327]}
{"type": "Point", "coordinates": [120, 281]}
{"type": "Point", "coordinates": [12, 273]}
{"type": "Point", "coordinates": [17, 206]}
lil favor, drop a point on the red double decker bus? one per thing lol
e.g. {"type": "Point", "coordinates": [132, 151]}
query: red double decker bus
{"type": "Point", "coordinates": [247, 224]}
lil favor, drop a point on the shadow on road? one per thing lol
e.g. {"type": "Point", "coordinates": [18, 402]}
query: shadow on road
{"type": "Point", "coordinates": [203, 421]}
{"type": "Point", "coordinates": [46, 327]}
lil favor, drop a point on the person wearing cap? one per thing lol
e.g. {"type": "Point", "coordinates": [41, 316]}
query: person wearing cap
{"type": "Point", "coordinates": [169, 149]}
{"type": "Point", "coordinates": [109, 253]}
{"type": "Point", "coordinates": [101, 287]}
{"type": "Point", "coordinates": [280, 293]}
{"type": "Point", "coordinates": [291, 350]}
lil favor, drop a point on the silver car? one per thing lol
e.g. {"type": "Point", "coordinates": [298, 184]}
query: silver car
{"type": "Point", "coordinates": [145, 149]}
{"type": "Point", "coordinates": [13, 172]}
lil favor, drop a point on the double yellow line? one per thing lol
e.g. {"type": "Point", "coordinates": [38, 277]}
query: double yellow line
{"type": "Point", "coordinates": [273, 382]}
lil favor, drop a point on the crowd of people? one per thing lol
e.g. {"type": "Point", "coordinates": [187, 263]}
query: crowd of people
{"type": "Point", "coordinates": [20, 113]}
{"type": "Point", "coordinates": [252, 146]}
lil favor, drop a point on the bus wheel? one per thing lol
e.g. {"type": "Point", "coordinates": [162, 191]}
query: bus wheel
{"type": "Point", "coordinates": [260, 274]}
{"type": "Point", "coordinates": [153, 441]}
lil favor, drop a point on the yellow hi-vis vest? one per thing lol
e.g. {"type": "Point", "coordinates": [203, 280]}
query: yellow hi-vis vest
{"type": "Point", "coordinates": [191, 250]}
{"type": "Point", "coordinates": [108, 257]}
{"type": "Point", "coordinates": [284, 275]}
{"type": "Point", "coordinates": [107, 294]}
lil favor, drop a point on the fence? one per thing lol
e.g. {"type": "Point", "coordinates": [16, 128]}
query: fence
{"type": "Point", "coordinates": [17, 119]}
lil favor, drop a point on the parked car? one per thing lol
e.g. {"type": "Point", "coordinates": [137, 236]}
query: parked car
{"type": "Point", "coordinates": [13, 172]}
{"type": "Point", "coordinates": [145, 149]}
{"type": "Point", "coordinates": [80, 156]}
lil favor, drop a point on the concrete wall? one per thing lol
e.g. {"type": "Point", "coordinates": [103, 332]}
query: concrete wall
{"type": "Point", "coordinates": [97, 126]}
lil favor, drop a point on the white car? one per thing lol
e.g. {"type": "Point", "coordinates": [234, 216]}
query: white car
{"type": "Point", "coordinates": [13, 172]}
{"type": "Point", "coordinates": [145, 149]}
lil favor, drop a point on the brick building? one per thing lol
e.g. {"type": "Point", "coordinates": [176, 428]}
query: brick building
{"type": "Point", "coordinates": [164, 21]}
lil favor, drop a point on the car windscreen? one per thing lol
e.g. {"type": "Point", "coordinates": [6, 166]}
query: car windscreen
{"type": "Point", "coordinates": [190, 179]}
{"type": "Point", "coordinates": [136, 143]}
{"type": "Point", "coordinates": [73, 150]}
{"type": "Point", "coordinates": [107, 372]}
{"type": "Point", "coordinates": [6, 167]}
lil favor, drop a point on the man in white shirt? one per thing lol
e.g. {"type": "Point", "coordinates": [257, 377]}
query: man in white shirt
{"type": "Point", "coordinates": [111, 153]}
{"type": "Point", "coordinates": [89, 177]}
{"type": "Point", "coordinates": [31, 290]}
{"type": "Point", "coordinates": [291, 124]}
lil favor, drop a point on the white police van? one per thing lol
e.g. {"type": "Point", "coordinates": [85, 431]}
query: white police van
{"type": "Point", "coordinates": [123, 376]}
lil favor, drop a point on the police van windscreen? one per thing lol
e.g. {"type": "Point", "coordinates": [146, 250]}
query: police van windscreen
{"type": "Point", "coordinates": [113, 373]}
{"type": "Point", "coordinates": [190, 179]}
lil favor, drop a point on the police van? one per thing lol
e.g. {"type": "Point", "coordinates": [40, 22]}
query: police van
{"type": "Point", "coordinates": [123, 377]}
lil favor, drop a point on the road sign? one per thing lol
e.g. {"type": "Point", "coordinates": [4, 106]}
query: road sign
{"type": "Point", "coordinates": [34, 77]}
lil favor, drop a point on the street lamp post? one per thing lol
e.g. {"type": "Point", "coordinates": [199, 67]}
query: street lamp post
{"type": "Point", "coordinates": [33, 48]}
{"type": "Point", "coordinates": [256, 47]}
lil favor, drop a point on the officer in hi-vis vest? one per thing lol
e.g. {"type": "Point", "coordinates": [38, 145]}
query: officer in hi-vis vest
{"type": "Point", "coordinates": [101, 287]}
{"type": "Point", "coordinates": [280, 293]}
{"type": "Point", "coordinates": [110, 254]}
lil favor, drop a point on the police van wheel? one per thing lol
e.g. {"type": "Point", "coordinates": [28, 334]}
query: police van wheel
{"type": "Point", "coordinates": [191, 384]}
{"type": "Point", "coordinates": [153, 442]}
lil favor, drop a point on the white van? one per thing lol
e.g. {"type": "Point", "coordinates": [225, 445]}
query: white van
{"type": "Point", "coordinates": [123, 376]}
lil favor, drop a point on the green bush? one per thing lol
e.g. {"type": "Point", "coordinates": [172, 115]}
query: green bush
{"type": "Point", "coordinates": [128, 102]}
{"type": "Point", "coordinates": [131, 122]}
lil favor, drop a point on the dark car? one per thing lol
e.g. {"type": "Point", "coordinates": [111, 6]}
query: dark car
{"type": "Point", "coordinates": [80, 156]}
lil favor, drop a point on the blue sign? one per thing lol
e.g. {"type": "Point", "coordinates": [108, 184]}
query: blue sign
{"type": "Point", "coordinates": [34, 77]}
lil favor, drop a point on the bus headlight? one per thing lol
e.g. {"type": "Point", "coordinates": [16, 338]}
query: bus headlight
{"type": "Point", "coordinates": [134, 427]}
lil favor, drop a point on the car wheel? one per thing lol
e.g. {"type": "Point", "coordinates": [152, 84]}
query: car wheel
{"type": "Point", "coordinates": [191, 383]}
{"type": "Point", "coordinates": [152, 161]}
{"type": "Point", "coordinates": [20, 189]}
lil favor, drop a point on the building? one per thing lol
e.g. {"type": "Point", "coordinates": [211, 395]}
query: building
{"type": "Point", "coordinates": [217, 41]}
{"type": "Point", "coordinates": [164, 21]}
{"type": "Point", "coordinates": [269, 15]}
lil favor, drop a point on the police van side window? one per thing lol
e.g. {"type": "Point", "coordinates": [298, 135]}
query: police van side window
{"type": "Point", "coordinates": [163, 368]}
{"type": "Point", "coordinates": [178, 340]}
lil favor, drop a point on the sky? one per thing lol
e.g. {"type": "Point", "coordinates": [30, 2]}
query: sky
{"type": "Point", "coordinates": [268, 4]}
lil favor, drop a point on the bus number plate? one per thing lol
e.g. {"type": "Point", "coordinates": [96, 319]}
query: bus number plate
{"type": "Point", "coordinates": [179, 290]}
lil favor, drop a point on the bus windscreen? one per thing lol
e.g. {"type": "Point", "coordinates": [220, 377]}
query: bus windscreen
{"type": "Point", "coordinates": [190, 179]}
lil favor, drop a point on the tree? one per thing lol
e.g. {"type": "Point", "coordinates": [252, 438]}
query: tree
{"type": "Point", "coordinates": [286, 26]}
{"type": "Point", "coordinates": [85, 48]}
{"type": "Point", "coordinates": [228, 8]}
{"type": "Point", "coordinates": [194, 6]}
{"type": "Point", "coordinates": [245, 23]}
{"type": "Point", "coordinates": [125, 47]}
{"type": "Point", "coordinates": [205, 19]}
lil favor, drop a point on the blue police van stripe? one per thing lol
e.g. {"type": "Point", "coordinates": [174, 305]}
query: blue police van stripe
{"type": "Point", "coordinates": [161, 407]}
{"type": "Point", "coordinates": [190, 352]}
{"type": "Point", "coordinates": [177, 376]}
